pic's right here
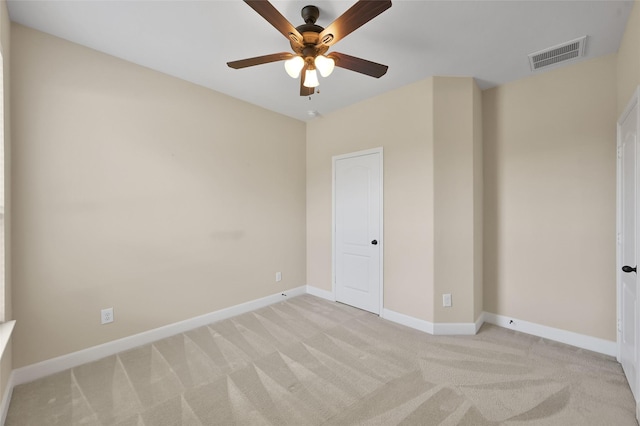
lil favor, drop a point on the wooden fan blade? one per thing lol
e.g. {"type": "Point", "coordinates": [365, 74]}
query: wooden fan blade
{"type": "Point", "coordinates": [304, 90]}
{"type": "Point", "coordinates": [275, 18]}
{"type": "Point", "coordinates": [259, 60]}
{"type": "Point", "coordinates": [358, 15]}
{"type": "Point", "coordinates": [359, 65]}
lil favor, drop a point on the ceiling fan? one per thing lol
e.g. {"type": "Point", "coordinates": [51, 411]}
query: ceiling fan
{"type": "Point", "coordinates": [310, 42]}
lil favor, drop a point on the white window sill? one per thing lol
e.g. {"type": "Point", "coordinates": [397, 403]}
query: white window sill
{"type": "Point", "coordinates": [6, 328]}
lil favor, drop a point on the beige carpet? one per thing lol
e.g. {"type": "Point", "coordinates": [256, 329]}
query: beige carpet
{"type": "Point", "coordinates": [307, 361]}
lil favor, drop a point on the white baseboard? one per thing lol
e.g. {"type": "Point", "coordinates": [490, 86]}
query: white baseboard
{"type": "Point", "coordinates": [298, 291]}
{"type": "Point", "coordinates": [441, 329]}
{"type": "Point", "coordinates": [6, 398]}
{"type": "Point", "coordinates": [408, 321]}
{"type": "Point", "coordinates": [583, 341]}
{"type": "Point", "coordinates": [323, 294]}
{"type": "Point", "coordinates": [563, 336]}
{"type": "Point", "coordinates": [36, 371]}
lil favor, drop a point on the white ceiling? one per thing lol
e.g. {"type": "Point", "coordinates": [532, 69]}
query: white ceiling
{"type": "Point", "coordinates": [193, 40]}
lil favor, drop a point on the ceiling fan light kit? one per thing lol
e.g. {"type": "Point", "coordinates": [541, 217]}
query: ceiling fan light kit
{"type": "Point", "coordinates": [310, 42]}
{"type": "Point", "coordinates": [310, 79]}
{"type": "Point", "coordinates": [321, 63]}
{"type": "Point", "coordinates": [325, 65]}
{"type": "Point", "coordinates": [294, 66]}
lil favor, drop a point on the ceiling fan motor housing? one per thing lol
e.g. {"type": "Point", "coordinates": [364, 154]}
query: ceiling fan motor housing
{"type": "Point", "coordinates": [310, 14]}
{"type": "Point", "coordinates": [310, 46]}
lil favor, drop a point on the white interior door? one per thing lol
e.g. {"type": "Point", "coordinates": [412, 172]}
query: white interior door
{"type": "Point", "coordinates": [357, 180]}
{"type": "Point", "coordinates": [628, 238]}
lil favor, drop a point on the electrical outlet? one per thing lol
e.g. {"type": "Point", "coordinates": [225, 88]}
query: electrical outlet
{"type": "Point", "coordinates": [446, 300]}
{"type": "Point", "coordinates": [278, 276]}
{"type": "Point", "coordinates": [106, 316]}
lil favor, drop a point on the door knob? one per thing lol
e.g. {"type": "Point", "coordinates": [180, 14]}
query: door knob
{"type": "Point", "coordinates": [374, 242]}
{"type": "Point", "coordinates": [628, 269]}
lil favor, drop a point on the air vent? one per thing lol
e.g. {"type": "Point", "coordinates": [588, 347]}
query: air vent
{"type": "Point", "coordinates": [563, 52]}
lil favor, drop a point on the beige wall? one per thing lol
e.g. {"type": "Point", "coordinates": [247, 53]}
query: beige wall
{"type": "Point", "coordinates": [5, 37]}
{"type": "Point", "coordinates": [141, 192]}
{"type": "Point", "coordinates": [478, 205]}
{"type": "Point", "coordinates": [431, 135]}
{"type": "Point", "coordinates": [455, 153]}
{"type": "Point", "coordinates": [401, 122]}
{"type": "Point", "coordinates": [628, 67]}
{"type": "Point", "coordinates": [550, 179]}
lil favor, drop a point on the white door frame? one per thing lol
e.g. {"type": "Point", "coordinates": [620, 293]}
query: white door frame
{"type": "Point", "coordinates": [333, 218]}
{"type": "Point", "coordinates": [634, 100]}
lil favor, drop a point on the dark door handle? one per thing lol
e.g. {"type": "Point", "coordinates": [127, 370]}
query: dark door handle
{"type": "Point", "coordinates": [374, 242]}
{"type": "Point", "coordinates": [628, 269]}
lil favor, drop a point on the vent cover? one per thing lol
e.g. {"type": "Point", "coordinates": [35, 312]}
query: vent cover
{"type": "Point", "coordinates": [563, 52]}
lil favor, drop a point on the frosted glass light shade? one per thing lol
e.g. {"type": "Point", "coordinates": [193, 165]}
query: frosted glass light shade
{"type": "Point", "coordinates": [293, 66]}
{"type": "Point", "coordinates": [311, 79]}
{"type": "Point", "coordinates": [324, 65]}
